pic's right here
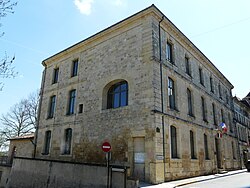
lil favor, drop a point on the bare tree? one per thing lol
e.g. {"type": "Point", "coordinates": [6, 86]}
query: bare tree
{"type": "Point", "coordinates": [6, 63]}
{"type": "Point", "coordinates": [32, 107]}
{"type": "Point", "coordinates": [21, 119]}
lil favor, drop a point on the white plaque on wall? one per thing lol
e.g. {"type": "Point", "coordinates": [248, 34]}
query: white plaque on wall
{"type": "Point", "coordinates": [139, 157]}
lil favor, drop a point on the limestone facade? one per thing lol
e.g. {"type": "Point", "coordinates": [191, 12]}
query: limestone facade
{"type": "Point", "coordinates": [164, 80]}
{"type": "Point", "coordinates": [241, 119]}
{"type": "Point", "coordinates": [22, 146]}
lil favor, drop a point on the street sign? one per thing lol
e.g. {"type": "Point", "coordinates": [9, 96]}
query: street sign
{"type": "Point", "coordinates": [106, 147]}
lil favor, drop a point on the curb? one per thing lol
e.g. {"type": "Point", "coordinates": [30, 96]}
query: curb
{"type": "Point", "coordinates": [216, 177]}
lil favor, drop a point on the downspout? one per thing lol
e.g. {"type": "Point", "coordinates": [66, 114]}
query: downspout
{"type": "Point", "coordinates": [39, 109]}
{"type": "Point", "coordinates": [162, 105]}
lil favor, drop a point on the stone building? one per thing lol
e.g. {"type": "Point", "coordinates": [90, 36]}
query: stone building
{"type": "Point", "coordinates": [242, 121]}
{"type": "Point", "coordinates": [21, 146]}
{"type": "Point", "coordinates": [144, 87]}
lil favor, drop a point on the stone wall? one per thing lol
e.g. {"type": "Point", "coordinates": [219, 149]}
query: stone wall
{"type": "Point", "coordinates": [30, 173]}
{"type": "Point", "coordinates": [4, 175]}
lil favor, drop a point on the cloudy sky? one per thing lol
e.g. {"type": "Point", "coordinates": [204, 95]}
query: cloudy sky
{"type": "Point", "coordinates": [39, 29]}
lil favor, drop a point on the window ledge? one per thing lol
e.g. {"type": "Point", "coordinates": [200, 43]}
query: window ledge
{"type": "Point", "coordinates": [70, 114]}
{"type": "Point", "coordinates": [65, 155]}
{"type": "Point", "coordinates": [191, 116]}
{"type": "Point", "coordinates": [106, 110]}
{"type": "Point", "coordinates": [45, 154]}
{"type": "Point", "coordinates": [205, 120]}
{"type": "Point", "coordinates": [176, 159]}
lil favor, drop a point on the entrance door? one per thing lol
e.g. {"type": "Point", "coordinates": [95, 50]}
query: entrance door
{"type": "Point", "coordinates": [218, 152]}
{"type": "Point", "coordinates": [139, 158]}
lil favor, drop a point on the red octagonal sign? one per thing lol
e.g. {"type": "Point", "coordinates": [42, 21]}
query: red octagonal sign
{"type": "Point", "coordinates": [106, 147]}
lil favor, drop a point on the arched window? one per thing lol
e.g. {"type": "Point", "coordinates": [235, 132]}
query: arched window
{"type": "Point", "coordinates": [118, 95]}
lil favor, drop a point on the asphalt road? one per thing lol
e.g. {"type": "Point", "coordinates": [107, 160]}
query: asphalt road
{"type": "Point", "coordinates": [241, 180]}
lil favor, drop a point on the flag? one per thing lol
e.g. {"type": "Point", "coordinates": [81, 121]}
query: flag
{"type": "Point", "coordinates": [224, 127]}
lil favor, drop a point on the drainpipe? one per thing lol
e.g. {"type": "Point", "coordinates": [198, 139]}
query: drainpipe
{"type": "Point", "coordinates": [162, 105]}
{"type": "Point", "coordinates": [39, 109]}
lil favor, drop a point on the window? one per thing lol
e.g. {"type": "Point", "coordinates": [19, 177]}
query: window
{"type": "Point", "coordinates": [227, 98]}
{"type": "Point", "coordinates": [190, 103]}
{"type": "Point", "coordinates": [74, 68]}
{"type": "Point", "coordinates": [72, 99]}
{"type": "Point", "coordinates": [203, 108]}
{"type": "Point", "coordinates": [211, 85]}
{"type": "Point", "coordinates": [67, 143]}
{"type": "Point", "coordinates": [214, 114]}
{"type": "Point", "coordinates": [169, 52]}
{"type": "Point", "coordinates": [192, 145]}
{"type": "Point", "coordinates": [52, 106]}
{"type": "Point", "coordinates": [219, 88]}
{"type": "Point", "coordinates": [118, 95]}
{"type": "Point", "coordinates": [222, 116]}
{"type": "Point", "coordinates": [230, 123]}
{"type": "Point", "coordinates": [171, 93]}
{"type": "Point", "coordinates": [47, 142]}
{"type": "Point", "coordinates": [55, 75]}
{"type": "Point", "coordinates": [187, 63]}
{"type": "Point", "coordinates": [173, 134]}
{"type": "Point", "coordinates": [201, 76]}
{"type": "Point", "coordinates": [206, 147]}
{"type": "Point", "coordinates": [80, 108]}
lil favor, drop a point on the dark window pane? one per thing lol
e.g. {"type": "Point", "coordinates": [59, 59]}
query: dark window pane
{"type": "Point", "coordinates": [72, 102]}
{"type": "Point", "coordinates": [56, 73]}
{"type": "Point", "coordinates": [211, 85]}
{"type": "Point", "coordinates": [171, 93]}
{"type": "Point", "coordinates": [80, 108]}
{"type": "Point", "coordinates": [187, 66]}
{"type": "Point", "coordinates": [118, 95]}
{"type": "Point", "coordinates": [74, 68]}
{"type": "Point", "coordinates": [52, 107]}
{"type": "Point", "coordinates": [190, 105]}
{"type": "Point", "coordinates": [173, 142]}
{"type": "Point", "coordinates": [169, 52]}
{"type": "Point", "coordinates": [206, 147]}
{"type": "Point", "coordinates": [116, 100]}
{"type": "Point", "coordinates": [68, 138]}
{"type": "Point", "coordinates": [192, 145]}
{"type": "Point", "coordinates": [124, 98]}
{"type": "Point", "coordinates": [124, 87]}
{"type": "Point", "coordinates": [47, 142]}
{"type": "Point", "coordinates": [117, 89]}
{"type": "Point", "coordinates": [201, 76]}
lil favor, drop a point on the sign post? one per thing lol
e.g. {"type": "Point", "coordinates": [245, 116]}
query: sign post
{"type": "Point", "coordinates": [106, 147]}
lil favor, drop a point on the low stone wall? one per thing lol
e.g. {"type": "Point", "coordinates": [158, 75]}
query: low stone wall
{"type": "Point", "coordinates": [4, 174]}
{"type": "Point", "coordinates": [37, 173]}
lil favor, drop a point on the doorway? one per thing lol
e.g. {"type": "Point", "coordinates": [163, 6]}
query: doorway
{"type": "Point", "coordinates": [218, 152]}
{"type": "Point", "coordinates": [139, 158]}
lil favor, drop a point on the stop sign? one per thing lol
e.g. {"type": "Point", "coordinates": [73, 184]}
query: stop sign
{"type": "Point", "coordinates": [106, 147]}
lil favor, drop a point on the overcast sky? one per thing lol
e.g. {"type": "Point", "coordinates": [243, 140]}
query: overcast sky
{"type": "Point", "coordinates": [39, 29]}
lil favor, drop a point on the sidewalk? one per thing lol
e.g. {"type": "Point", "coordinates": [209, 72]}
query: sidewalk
{"type": "Point", "coordinates": [177, 183]}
